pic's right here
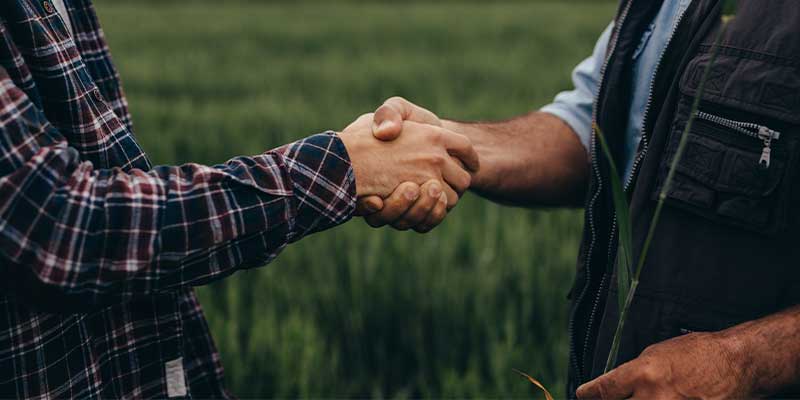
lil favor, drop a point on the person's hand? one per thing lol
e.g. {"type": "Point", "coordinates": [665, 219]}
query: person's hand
{"type": "Point", "coordinates": [422, 154]}
{"type": "Point", "coordinates": [424, 212]}
{"type": "Point", "coordinates": [389, 117]}
{"type": "Point", "coordinates": [692, 366]}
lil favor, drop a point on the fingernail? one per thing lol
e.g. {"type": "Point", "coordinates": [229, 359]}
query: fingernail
{"type": "Point", "coordinates": [443, 199]}
{"type": "Point", "coordinates": [434, 190]}
{"type": "Point", "coordinates": [411, 194]}
{"type": "Point", "coordinates": [385, 125]}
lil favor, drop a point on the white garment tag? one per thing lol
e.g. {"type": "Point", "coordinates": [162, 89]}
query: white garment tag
{"type": "Point", "coordinates": [176, 380]}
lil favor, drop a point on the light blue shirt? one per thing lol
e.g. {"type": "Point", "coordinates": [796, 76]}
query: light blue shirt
{"type": "Point", "coordinates": [575, 106]}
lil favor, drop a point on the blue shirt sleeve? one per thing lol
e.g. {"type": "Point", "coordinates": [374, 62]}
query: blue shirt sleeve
{"type": "Point", "coordinates": [575, 106]}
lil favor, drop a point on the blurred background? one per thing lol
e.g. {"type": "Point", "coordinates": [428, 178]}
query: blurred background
{"type": "Point", "coordinates": [358, 312]}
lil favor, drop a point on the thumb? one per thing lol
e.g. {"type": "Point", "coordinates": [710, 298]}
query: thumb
{"type": "Point", "coordinates": [387, 123]}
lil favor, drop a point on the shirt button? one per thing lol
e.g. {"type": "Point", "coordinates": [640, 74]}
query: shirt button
{"type": "Point", "coordinates": [48, 6]}
{"type": "Point", "coordinates": [97, 95]}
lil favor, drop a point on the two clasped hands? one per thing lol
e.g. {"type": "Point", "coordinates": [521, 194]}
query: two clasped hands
{"type": "Point", "coordinates": [409, 169]}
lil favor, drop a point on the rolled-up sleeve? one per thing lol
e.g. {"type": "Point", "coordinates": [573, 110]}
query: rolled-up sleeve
{"type": "Point", "coordinates": [575, 106]}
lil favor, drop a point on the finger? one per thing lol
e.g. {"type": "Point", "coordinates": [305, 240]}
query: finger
{"type": "Point", "coordinates": [452, 197]}
{"type": "Point", "coordinates": [389, 117]}
{"type": "Point", "coordinates": [460, 146]}
{"type": "Point", "coordinates": [455, 176]}
{"type": "Point", "coordinates": [395, 205]}
{"type": "Point", "coordinates": [429, 197]}
{"type": "Point", "coordinates": [435, 217]}
{"type": "Point", "coordinates": [368, 205]}
{"type": "Point", "coordinates": [590, 390]}
{"type": "Point", "coordinates": [617, 384]}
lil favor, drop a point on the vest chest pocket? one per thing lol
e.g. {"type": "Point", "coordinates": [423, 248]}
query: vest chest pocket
{"type": "Point", "coordinates": [736, 168]}
{"type": "Point", "coordinates": [741, 157]}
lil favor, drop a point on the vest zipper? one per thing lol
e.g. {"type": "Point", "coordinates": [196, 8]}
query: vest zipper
{"type": "Point", "coordinates": [579, 369]}
{"type": "Point", "coordinates": [635, 168]}
{"type": "Point", "coordinates": [645, 140]}
{"type": "Point", "coordinates": [761, 132]}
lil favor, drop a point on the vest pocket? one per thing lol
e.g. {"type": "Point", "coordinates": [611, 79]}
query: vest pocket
{"type": "Point", "coordinates": [735, 169]}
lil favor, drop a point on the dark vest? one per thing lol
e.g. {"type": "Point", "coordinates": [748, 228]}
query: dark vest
{"type": "Point", "coordinates": [726, 248]}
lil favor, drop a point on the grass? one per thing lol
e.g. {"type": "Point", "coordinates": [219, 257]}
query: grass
{"type": "Point", "coordinates": [358, 312]}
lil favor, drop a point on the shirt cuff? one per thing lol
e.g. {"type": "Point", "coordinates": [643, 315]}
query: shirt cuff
{"type": "Point", "coordinates": [323, 183]}
{"type": "Point", "coordinates": [579, 124]}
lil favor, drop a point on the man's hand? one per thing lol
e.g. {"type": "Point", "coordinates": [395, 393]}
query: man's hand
{"type": "Point", "coordinates": [755, 359]}
{"type": "Point", "coordinates": [534, 159]}
{"type": "Point", "coordinates": [427, 210]}
{"type": "Point", "coordinates": [693, 366]}
{"type": "Point", "coordinates": [389, 118]}
{"type": "Point", "coordinates": [423, 153]}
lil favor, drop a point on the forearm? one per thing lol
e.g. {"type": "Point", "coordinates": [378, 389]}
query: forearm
{"type": "Point", "coordinates": [768, 350]}
{"type": "Point", "coordinates": [173, 226]}
{"type": "Point", "coordinates": [531, 160]}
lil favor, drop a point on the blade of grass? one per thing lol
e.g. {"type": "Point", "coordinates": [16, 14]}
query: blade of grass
{"type": "Point", "coordinates": [612, 357]}
{"type": "Point", "coordinates": [623, 221]}
{"type": "Point", "coordinates": [547, 394]}
{"type": "Point", "coordinates": [729, 8]}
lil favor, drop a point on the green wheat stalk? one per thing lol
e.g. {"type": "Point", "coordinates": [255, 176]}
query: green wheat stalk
{"type": "Point", "coordinates": [628, 280]}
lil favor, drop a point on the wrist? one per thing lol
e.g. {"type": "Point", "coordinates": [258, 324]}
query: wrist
{"type": "Point", "coordinates": [746, 355]}
{"type": "Point", "coordinates": [457, 127]}
{"type": "Point", "coordinates": [353, 147]}
{"type": "Point", "coordinates": [487, 178]}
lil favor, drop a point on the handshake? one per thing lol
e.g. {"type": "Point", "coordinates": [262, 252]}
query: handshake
{"type": "Point", "coordinates": [409, 170]}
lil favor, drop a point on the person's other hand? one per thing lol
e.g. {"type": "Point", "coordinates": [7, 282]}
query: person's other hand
{"type": "Point", "coordinates": [692, 366]}
{"type": "Point", "coordinates": [423, 153]}
{"type": "Point", "coordinates": [424, 212]}
{"type": "Point", "coordinates": [389, 117]}
{"type": "Point", "coordinates": [409, 207]}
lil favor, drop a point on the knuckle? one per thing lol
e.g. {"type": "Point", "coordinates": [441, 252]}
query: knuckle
{"type": "Point", "coordinates": [603, 390]}
{"type": "Point", "coordinates": [396, 99]}
{"type": "Point", "coordinates": [649, 373]}
{"type": "Point", "coordinates": [438, 160]}
{"type": "Point", "coordinates": [382, 112]}
{"type": "Point", "coordinates": [364, 118]}
{"type": "Point", "coordinates": [648, 352]}
{"type": "Point", "coordinates": [436, 135]}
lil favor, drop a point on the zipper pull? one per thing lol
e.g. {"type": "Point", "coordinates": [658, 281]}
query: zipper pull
{"type": "Point", "coordinates": [766, 135]}
{"type": "Point", "coordinates": [765, 156]}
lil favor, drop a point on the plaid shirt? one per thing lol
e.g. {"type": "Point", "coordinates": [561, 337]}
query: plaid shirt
{"type": "Point", "coordinates": [98, 251]}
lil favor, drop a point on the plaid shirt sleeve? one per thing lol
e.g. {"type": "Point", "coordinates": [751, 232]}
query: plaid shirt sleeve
{"type": "Point", "coordinates": [111, 234]}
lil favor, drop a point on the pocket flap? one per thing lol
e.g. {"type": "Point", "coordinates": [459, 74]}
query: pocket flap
{"type": "Point", "coordinates": [748, 81]}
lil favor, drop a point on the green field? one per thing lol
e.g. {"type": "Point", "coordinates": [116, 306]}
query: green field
{"type": "Point", "coordinates": [358, 312]}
